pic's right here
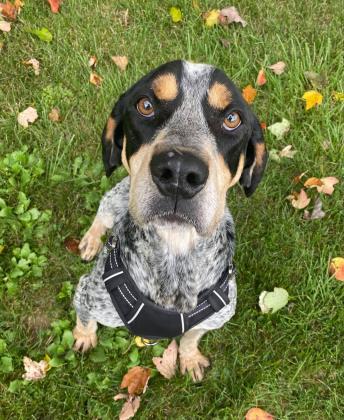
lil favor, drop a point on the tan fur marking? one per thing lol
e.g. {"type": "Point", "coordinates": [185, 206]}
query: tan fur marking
{"type": "Point", "coordinates": [165, 87]}
{"type": "Point", "coordinates": [124, 155]}
{"type": "Point", "coordinates": [260, 151]}
{"type": "Point", "coordinates": [240, 168]}
{"type": "Point", "coordinates": [219, 96]}
{"type": "Point", "coordinates": [110, 129]}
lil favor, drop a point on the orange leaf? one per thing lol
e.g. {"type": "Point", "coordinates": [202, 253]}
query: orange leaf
{"type": "Point", "coordinates": [257, 413]}
{"type": "Point", "coordinates": [337, 268]}
{"type": "Point", "coordinates": [95, 79]}
{"type": "Point", "coordinates": [72, 244]}
{"type": "Point", "coordinates": [261, 79]}
{"type": "Point", "coordinates": [54, 5]}
{"type": "Point", "coordinates": [312, 182]}
{"type": "Point", "coordinates": [136, 380]}
{"type": "Point", "coordinates": [263, 125]}
{"type": "Point", "coordinates": [249, 93]}
{"type": "Point", "coordinates": [299, 200]}
{"type": "Point", "coordinates": [8, 10]}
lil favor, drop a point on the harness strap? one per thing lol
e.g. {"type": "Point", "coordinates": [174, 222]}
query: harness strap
{"type": "Point", "coordinates": [145, 318]}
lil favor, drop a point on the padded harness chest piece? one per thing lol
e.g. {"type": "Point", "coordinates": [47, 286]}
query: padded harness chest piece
{"type": "Point", "coordinates": [145, 318]}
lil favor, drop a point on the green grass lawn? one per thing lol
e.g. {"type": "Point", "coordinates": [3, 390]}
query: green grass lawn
{"type": "Point", "coordinates": [290, 363]}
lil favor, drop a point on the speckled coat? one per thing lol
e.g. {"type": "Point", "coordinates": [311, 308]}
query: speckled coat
{"type": "Point", "coordinates": [171, 281]}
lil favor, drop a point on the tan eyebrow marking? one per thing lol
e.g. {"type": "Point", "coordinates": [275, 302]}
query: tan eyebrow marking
{"type": "Point", "coordinates": [219, 96]}
{"type": "Point", "coordinates": [165, 87]}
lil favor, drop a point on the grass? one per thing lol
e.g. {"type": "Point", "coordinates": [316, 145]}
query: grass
{"type": "Point", "coordinates": [289, 363]}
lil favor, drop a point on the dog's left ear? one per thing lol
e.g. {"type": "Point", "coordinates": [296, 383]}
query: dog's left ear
{"type": "Point", "coordinates": [255, 159]}
{"type": "Point", "coordinates": [112, 138]}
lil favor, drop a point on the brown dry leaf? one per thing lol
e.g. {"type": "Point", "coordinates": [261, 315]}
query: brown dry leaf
{"type": "Point", "coordinates": [317, 212]}
{"type": "Point", "coordinates": [287, 152]}
{"type": "Point", "coordinates": [261, 79]}
{"type": "Point", "coordinates": [257, 413]}
{"type": "Point", "coordinates": [34, 370]}
{"type": "Point", "coordinates": [54, 115]}
{"type": "Point", "coordinates": [130, 407]}
{"type": "Point", "coordinates": [72, 245]}
{"type": "Point", "coordinates": [297, 178]}
{"type": "Point", "coordinates": [336, 268]}
{"type": "Point", "coordinates": [327, 186]}
{"type": "Point", "coordinates": [5, 26]}
{"type": "Point", "coordinates": [167, 364]}
{"type": "Point", "coordinates": [229, 15]}
{"type": "Point", "coordinates": [8, 10]}
{"type": "Point", "coordinates": [92, 62]}
{"type": "Point", "coordinates": [121, 61]}
{"type": "Point", "coordinates": [249, 93]}
{"type": "Point", "coordinates": [278, 68]}
{"type": "Point", "coordinates": [95, 79]}
{"type": "Point", "coordinates": [313, 182]}
{"type": "Point", "coordinates": [299, 200]}
{"type": "Point", "coordinates": [35, 65]}
{"type": "Point", "coordinates": [29, 115]}
{"type": "Point", "coordinates": [136, 380]}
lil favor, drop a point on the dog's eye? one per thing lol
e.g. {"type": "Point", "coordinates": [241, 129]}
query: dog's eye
{"type": "Point", "coordinates": [145, 107]}
{"type": "Point", "coordinates": [231, 121]}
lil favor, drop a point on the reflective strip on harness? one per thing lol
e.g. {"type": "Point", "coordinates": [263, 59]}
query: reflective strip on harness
{"type": "Point", "coordinates": [145, 318]}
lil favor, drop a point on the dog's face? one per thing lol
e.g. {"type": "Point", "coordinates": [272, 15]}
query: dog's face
{"type": "Point", "coordinates": [186, 135]}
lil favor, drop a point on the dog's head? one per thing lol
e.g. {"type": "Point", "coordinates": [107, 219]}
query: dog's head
{"type": "Point", "coordinates": [186, 135]}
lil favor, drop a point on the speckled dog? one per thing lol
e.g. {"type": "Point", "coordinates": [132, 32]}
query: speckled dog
{"type": "Point", "coordinates": [185, 135]}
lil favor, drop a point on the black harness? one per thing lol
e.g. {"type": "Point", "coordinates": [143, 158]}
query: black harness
{"type": "Point", "coordinates": [146, 319]}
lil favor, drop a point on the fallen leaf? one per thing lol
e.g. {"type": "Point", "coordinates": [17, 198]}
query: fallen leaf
{"type": "Point", "coordinates": [176, 14]}
{"type": "Point", "coordinates": [338, 96]}
{"type": "Point", "coordinates": [167, 364]}
{"type": "Point", "coordinates": [34, 370]}
{"type": "Point", "coordinates": [136, 380]}
{"type": "Point", "coordinates": [274, 155]}
{"type": "Point", "coordinates": [92, 62]}
{"type": "Point", "coordinates": [18, 4]}
{"type": "Point", "coordinates": [249, 93]}
{"type": "Point", "coordinates": [95, 79]}
{"type": "Point", "coordinates": [280, 129]}
{"type": "Point", "coordinates": [130, 407]}
{"type": "Point", "coordinates": [54, 5]}
{"type": "Point", "coordinates": [297, 178]}
{"type": "Point", "coordinates": [336, 268]}
{"type": "Point", "coordinates": [273, 301]}
{"type": "Point", "coordinates": [143, 342]}
{"type": "Point", "coordinates": [261, 79]}
{"type": "Point", "coordinates": [299, 200]}
{"type": "Point", "coordinates": [278, 68]}
{"type": "Point", "coordinates": [327, 186]}
{"type": "Point", "coordinates": [263, 125]}
{"type": "Point", "coordinates": [317, 212]}
{"type": "Point", "coordinates": [54, 115]}
{"type": "Point", "coordinates": [121, 61]}
{"type": "Point", "coordinates": [35, 65]}
{"type": "Point", "coordinates": [312, 182]}
{"type": "Point", "coordinates": [229, 15]}
{"type": "Point", "coordinates": [287, 152]}
{"type": "Point", "coordinates": [29, 115]}
{"type": "Point", "coordinates": [211, 18]}
{"type": "Point", "coordinates": [8, 10]}
{"type": "Point", "coordinates": [72, 245]}
{"type": "Point", "coordinates": [258, 414]}
{"type": "Point", "coordinates": [312, 98]}
{"type": "Point", "coordinates": [317, 81]}
{"type": "Point", "coordinates": [43, 34]}
{"type": "Point", "coordinates": [5, 26]}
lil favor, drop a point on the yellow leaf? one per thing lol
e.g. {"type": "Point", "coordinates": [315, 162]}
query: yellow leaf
{"type": "Point", "coordinates": [337, 268]}
{"type": "Point", "coordinates": [211, 18]}
{"type": "Point", "coordinates": [338, 96]}
{"type": "Point", "coordinates": [312, 98]}
{"type": "Point", "coordinates": [142, 342]}
{"type": "Point", "coordinates": [176, 14]}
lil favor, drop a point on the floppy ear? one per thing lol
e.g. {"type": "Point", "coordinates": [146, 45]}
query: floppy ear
{"type": "Point", "coordinates": [112, 138]}
{"type": "Point", "coordinates": [255, 160]}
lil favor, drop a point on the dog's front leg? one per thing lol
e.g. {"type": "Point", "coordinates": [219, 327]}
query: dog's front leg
{"type": "Point", "coordinates": [92, 243]}
{"type": "Point", "coordinates": [190, 358]}
{"type": "Point", "coordinates": [85, 335]}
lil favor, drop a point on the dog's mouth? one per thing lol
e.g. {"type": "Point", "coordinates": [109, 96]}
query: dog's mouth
{"type": "Point", "coordinates": [173, 218]}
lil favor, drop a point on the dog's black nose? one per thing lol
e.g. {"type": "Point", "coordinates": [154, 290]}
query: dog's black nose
{"type": "Point", "coordinates": [178, 173]}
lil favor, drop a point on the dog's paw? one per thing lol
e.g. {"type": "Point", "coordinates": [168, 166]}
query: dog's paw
{"type": "Point", "coordinates": [194, 364]}
{"type": "Point", "coordinates": [84, 341]}
{"type": "Point", "coordinates": [90, 245]}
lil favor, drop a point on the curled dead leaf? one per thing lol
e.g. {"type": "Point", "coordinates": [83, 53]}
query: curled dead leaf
{"type": "Point", "coordinates": [5, 26]}
{"type": "Point", "coordinates": [34, 370]}
{"type": "Point", "coordinates": [72, 245]}
{"type": "Point", "coordinates": [257, 413]}
{"type": "Point", "coordinates": [249, 93]}
{"type": "Point", "coordinates": [229, 15]}
{"type": "Point", "coordinates": [92, 62]}
{"type": "Point", "coordinates": [316, 213]}
{"type": "Point", "coordinates": [34, 64]}
{"type": "Point", "coordinates": [278, 68]}
{"type": "Point", "coordinates": [54, 115]}
{"type": "Point", "coordinates": [336, 268]}
{"type": "Point", "coordinates": [287, 152]}
{"type": "Point", "coordinates": [298, 178]}
{"type": "Point", "coordinates": [299, 200]}
{"type": "Point", "coordinates": [121, 61]}
{"type": "Point", "coordinates": [261, 79]}
{"type": "Point", "coordinates": [136, 380]}
{"type": "Point", "coordinates": [95, 79]}
{"type": "Point", "coordinates": [130, 407]}
{"type": "Point", "coordinates": [327, 186]}
{"type": "Point", "coordinates": [8, 10]}
{"type": "Point", "coordinates": [312, 182]}
{"type": "Point", "coordinates": [167, 364]}
{"type": "Point", "coordinates": [29, 115]}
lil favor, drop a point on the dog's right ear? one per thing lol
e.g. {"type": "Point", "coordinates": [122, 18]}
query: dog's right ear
{"type": "Point", "coordinates": [112, 138]}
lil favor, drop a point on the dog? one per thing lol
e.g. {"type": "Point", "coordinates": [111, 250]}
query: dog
{"type": "Point", "coordinates": [185, 135]}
